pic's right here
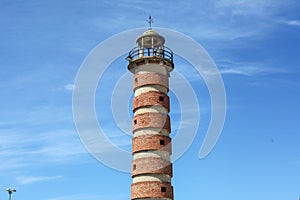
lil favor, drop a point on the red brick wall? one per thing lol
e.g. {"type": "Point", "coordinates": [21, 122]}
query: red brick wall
{"type": "Point", "coordinates": [150, 78]}
{"type": "Point", "coordinates": [151, 98]}
{"type": "Point", "coordinates": [151, 190]}
{"type": "Point", "coordinates": [151, 142]}
{"type": "Point", "coordinates": [151, 165]}
{"type": "Point", "coordinates": [151, 120]}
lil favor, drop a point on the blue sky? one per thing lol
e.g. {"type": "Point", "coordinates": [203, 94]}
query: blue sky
{"type": "Point", "coordinates": [255, 45]}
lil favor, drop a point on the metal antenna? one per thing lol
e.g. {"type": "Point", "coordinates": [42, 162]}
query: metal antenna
{"type": "Point", "coordinates": [150, 21]}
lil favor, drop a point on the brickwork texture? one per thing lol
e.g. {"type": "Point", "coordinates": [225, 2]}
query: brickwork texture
{"type": "Point", "coordinates": [151, 165]}
{"type": "Point", "coordinates": [151, 98]}
{"type": "Point", "coordinates": [150, 78]}
{"type": "Point", "coordinates": [151, 190]}
{"type": "Point", "coordinates": [151, 120]}
{"type": "Point", "coordinates": [151, 142]}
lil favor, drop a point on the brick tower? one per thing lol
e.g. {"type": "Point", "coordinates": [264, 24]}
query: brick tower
{"type": "Point", "coordinates": [151, 62]}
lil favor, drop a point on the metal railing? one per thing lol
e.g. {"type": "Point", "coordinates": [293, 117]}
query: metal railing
{"type": "Point", "coordinates": [138, 52]}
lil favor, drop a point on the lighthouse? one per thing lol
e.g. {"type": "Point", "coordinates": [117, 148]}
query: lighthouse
{"type": "Point", "coordinates": [151, 63]}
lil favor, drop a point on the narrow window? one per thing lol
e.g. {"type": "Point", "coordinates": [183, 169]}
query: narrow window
{"type": "Point", "coordinates": [162, 142]}
{"type": "Point", "coordinates": [161, 98]}
{"type": "Point", "coordinates": [163, 189]}
{"type": "Point", "coordinates": [134, 167]}
{"type": "Point", "coordinates": [135, 121]}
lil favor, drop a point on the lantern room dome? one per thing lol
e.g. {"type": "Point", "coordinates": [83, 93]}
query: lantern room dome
{"type": "Point", "coordinates": [150, 39]}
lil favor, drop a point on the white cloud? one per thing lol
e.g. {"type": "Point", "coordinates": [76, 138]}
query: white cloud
{"type": "Point", "coordinates": [216, 20]}
{"type": "Point", "coordinates": [91, 197]}
{"type": "Point", "coordinates": [20, 150]}
{"type": "Point", "coordinates": [69, 87]}
{"type": "Point", "coordinates": [293, 22]}
{"type": "Point", "coordinates": [247, 69]}
{"type": "Point", "coordinates": [235, 19]}
{"type": "Point", "coordinates": [32, 179]}
{"type": "Point", "coordinates": [259, 8]}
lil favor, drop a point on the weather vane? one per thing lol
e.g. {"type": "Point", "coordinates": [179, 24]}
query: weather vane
{"type": "Point", "coordinates": [150, 21]}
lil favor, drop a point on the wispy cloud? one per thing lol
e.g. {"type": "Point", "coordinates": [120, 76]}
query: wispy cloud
{"type": "Point", "coordinates": [292, 22]}
{"type": "Point", "coordinates": [91, 197]}
{"type": "Point", "coordinates": [21, 150]}
{"type": "Point", "coordinates": [247, 69]}
{"type": "Point", "coordinates": [228, 67]}
{"type": "Point", "coordinates": [33, 179]}
{"type": "Point", "coordinates": [221, 20]}
{"type": "Point", "coordinates": [229, 20]}
{"type": "Point", "coordinates": [69, 87]}
{"type": "Point", "coordinates": [260, 8]}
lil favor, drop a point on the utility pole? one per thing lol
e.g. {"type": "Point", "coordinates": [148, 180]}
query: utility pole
{"type": "Point", "coordinates": [10, 191]}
